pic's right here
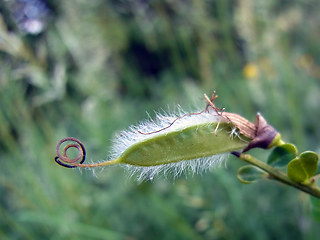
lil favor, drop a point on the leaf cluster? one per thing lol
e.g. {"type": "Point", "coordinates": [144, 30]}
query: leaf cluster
{"type": "Point", "coordinates": [285, 164]}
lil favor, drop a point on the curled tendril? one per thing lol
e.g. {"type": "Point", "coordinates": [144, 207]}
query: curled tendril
{"type": "Point", "coordinates": [63, 159]}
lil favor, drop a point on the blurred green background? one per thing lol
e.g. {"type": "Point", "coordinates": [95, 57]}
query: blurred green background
{"type": "Point", "coordinates": [91, 68]}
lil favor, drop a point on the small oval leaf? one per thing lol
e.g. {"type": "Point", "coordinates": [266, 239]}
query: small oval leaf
{"type": "Point", "coordinates": [311, 161]}
{"type": "Point", "coordinates": [296, 172]}
{"type": "Point", "coordinates": [282, 155]}
{"type": "Point", "coordinates": [303, 167]}
{"type": "Point", "coordinates": [250, 174]}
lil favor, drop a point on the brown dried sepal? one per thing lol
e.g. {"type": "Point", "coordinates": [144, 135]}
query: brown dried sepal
{"type": "Point", "coordinates": [245, 127]}
{"type": "Point", "coordinates": [262, 134]}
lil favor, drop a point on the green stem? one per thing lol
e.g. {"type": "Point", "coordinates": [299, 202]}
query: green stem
{"type": "Point", "coordinates": [276, 174]}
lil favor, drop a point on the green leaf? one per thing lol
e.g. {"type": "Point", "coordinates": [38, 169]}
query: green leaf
{"type": "Point", "coordinates": [282, 155]}
{"type": "Point", "coordinates": [250, 174]}
{"type": "Point", "coordinates": [315, 202]}
{"type": "Point", "coordinates": [315, 207]}
{"type": "Point", "coordinates": [318, 170]}
{"type": "Point", "coordinates": [303, 167]}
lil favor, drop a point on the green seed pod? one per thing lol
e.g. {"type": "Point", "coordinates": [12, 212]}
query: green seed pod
{"type": "Point", "coordinates": [196, 141]}
{"type": "Point", "coordinates": [190, 143]}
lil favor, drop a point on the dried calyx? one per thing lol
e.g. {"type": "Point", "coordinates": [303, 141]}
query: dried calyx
{"type": "Point", "coordinates": [262, 134]}
{"type": "Point", "coordinates": [265, 136]}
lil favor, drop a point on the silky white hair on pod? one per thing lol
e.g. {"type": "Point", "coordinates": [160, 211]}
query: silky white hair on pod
{"type": "Point", "coordinates": [159, 126]}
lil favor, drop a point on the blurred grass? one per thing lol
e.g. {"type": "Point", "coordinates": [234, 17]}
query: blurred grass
{"type": "Point", "coordinates": [98, 66]}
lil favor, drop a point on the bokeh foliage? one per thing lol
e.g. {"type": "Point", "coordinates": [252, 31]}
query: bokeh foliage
{"type": "Point", "coordinates": [98, 66]}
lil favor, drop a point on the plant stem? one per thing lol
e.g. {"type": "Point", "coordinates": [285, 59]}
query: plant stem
{"type": "Point", "coordinates": [276, 174]}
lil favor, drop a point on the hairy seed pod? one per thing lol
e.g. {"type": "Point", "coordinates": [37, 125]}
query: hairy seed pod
{"type": "Point", "coordinates": [189, 140]}
{"type": "Point", "coordinates": [192, 142]}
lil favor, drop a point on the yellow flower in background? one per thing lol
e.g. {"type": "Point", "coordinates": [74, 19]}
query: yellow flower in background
{"type": "Point", "coordinates": [251, 71]}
